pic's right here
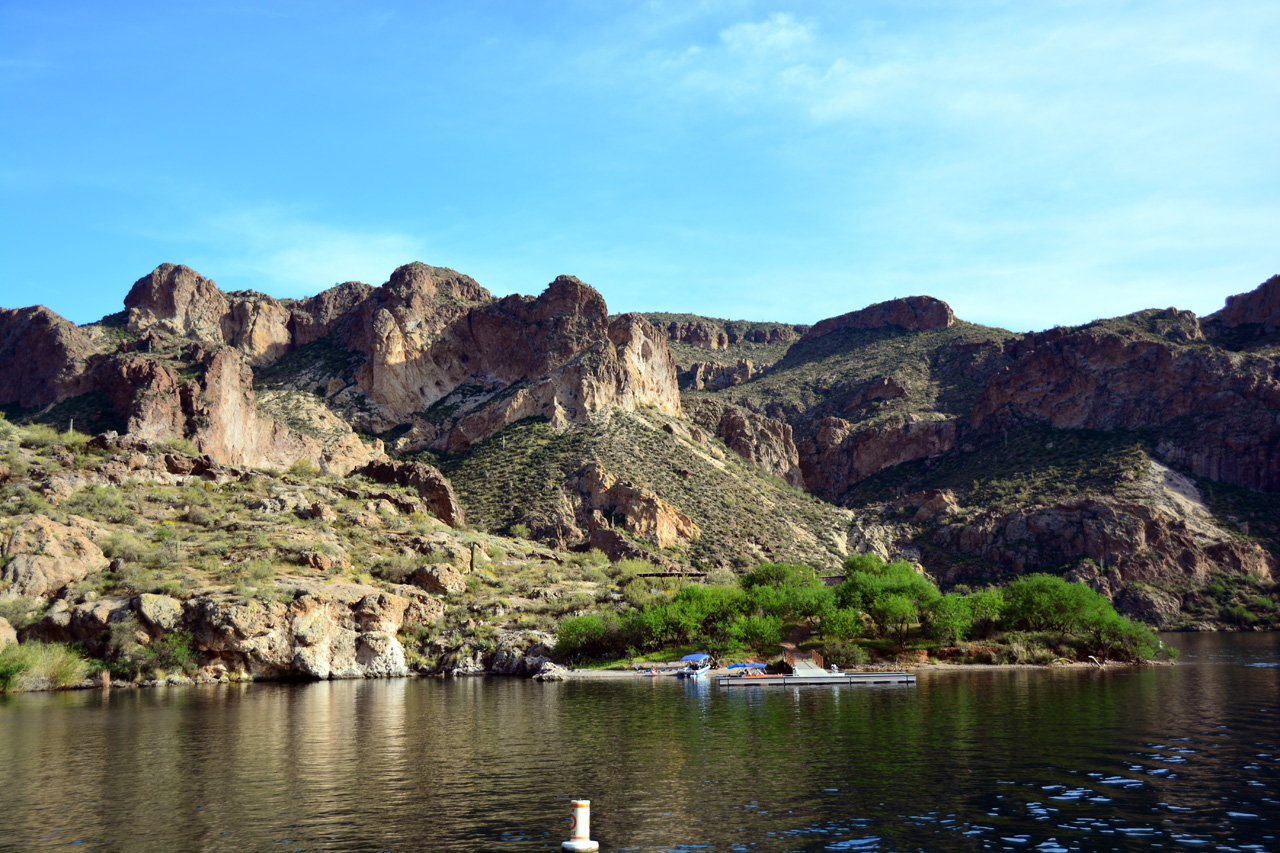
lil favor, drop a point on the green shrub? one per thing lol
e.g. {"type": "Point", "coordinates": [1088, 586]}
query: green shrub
{"type": "Point", "coordinates": [894, 613]}
{"type": "Point", "coordinates": [180, 445]}
{"type": "Point", "coordinates": [40, 437]}
{"type": "Point", "coordinates": [778, 575]}
{"type": "Point", "coordinates": [519, 531]}
{"type": "Point", "coordinates": [126, 546]}
{"type": "Point", "coordinates": [40, 666]}
{"type": "Point", "coordinates": [845, 654]}
{"type": "Point", "coordinates": [100, 503]}
{"type": "Point", "coordinates": [594, 635]}
{"type": "Point", "coordinates": [174, 651]}
{"type": "Point", "coordinates": [304, 469]}
{"type": "Point", "coordinates": [761, 634]}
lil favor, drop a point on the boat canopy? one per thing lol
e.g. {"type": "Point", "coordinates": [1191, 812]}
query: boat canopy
{"type": "Point", "coordinates": [746, 665]}
{"type": "Point", "coordinates": [699, 657]}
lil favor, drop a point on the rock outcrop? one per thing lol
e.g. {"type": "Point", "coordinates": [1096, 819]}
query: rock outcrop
{"type": "Point", "coordinates": [913, 313]}
{"type": "Point", "coordinates": [1259, 307]}
{"type": "Point", "coordinates": [41, 557]}
{"type": "Point", "coordinates": [1228, 404]}
{"type": "Point", "coordinates": [766, 441]}
{"type": "Point", "coordinates": [713, 376]}
{"type": "Point", "coordinates": [638, 510]}
{"type": "Point", "coordinates": [834, 456]}
{"type": "Point", "coordinates": [44, 357]}
{"type": "Point", "coordinates": [432, 486]}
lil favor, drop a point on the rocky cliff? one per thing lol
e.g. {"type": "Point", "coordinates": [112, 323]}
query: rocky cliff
{"type": "Point", "coordinates": [975, 451]}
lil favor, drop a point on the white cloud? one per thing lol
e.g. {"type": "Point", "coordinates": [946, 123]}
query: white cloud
{"type": "Point", "coordinates": [779, 34]}
{"type": "Point", "coordinates": [287, 254]}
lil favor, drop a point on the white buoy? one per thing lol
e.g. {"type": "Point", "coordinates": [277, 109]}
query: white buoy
{"type": "Point", "coordinates": [580, 835]}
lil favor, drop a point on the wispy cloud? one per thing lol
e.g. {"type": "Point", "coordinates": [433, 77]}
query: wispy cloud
{"type": "Point", "coordinates": [286, 253]}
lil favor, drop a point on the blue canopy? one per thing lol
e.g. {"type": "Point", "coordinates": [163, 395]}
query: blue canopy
{"type": "Point", "coordinates": [745, 665]}
{"type": "Point", "coordinates": [698, 656]}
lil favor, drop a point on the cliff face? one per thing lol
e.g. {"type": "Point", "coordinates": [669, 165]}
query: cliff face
{"type": "Point", "coordinates": [187, 364]}
{"type": "Point", "coordinates": [44, 356]}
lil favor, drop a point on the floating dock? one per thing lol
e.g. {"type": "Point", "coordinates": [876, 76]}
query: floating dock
{"type": "Point", "coordinates": [825, 679]}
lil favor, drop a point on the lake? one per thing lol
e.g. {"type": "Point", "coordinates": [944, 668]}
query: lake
{"type": "Point", "coordinates": [1183, 758]}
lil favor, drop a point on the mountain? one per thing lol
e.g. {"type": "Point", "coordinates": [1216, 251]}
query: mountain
{"type": "Point", "coordinates": [1138, 454]}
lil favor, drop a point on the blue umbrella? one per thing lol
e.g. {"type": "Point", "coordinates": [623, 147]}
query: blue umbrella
{"type": "Point", "coordinates": [695, 657]}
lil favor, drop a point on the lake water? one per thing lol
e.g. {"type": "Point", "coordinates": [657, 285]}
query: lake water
{"type": "Point", "coordinates": [1173, 758]}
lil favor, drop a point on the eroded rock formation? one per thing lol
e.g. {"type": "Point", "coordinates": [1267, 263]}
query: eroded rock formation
{"type": "Point", "coordinates": [913, 313]}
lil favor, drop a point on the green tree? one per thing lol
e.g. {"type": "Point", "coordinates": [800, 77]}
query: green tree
{"type": "Point", "coordinates": [840, 624]}
{"type": "Point", "coordinates": [894, 613]}
{"type": "Point", "coordinates": [950, 618]}
{"type": "Point", "coordinates": [761, 634]}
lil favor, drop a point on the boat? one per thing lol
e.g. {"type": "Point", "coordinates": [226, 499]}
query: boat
{"type": "Point", "coordinates": [749, 670]}
{"type": "Point", "coordinates": [699, 664]}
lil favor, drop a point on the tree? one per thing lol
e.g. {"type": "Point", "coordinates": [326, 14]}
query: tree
{"type": "Point", "coordinates": [1048, 603]}
{"type": "Point", "coordinates": [894, 612]}
{"type": "Point", "coordinates": [950, 618]}
{"type": "Point", "coordinates": [761, 634]}
{"type": "Point", "coordinates": [841, 624]}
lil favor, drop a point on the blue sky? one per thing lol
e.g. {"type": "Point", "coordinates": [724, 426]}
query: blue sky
{"type": "Point", "coordinates": [1032, 163]}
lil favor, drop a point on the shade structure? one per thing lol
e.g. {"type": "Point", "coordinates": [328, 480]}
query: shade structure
{"type": "Point", "coordinates": [699, 656]}
{"type": "Point", "coordinates": [746, 665]}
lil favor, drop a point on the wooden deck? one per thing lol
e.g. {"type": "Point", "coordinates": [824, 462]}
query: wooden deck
{"type": "Point", "coordinates": [825, 679]}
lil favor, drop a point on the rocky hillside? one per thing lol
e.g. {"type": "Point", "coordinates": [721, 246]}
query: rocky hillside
{"type": "Point", "coordinates": [1138, 454]}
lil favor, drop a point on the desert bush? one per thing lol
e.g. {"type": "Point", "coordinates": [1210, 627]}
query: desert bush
{"type": "Point", "coordinates": [519, 531]}
{"type": "Point", "coordinates": [845, 653]}
{"type": "Point", "coordinates": [40, 437]}
{"type": "Point", "coordinates": [303, 469]}
{"type": "Point", "coordinates": [20, 611]}
{"type": "Point", "coordinates": [20, 500]}
{"type": "Point", "coordinates": [396, 568]}
{"type": "Point", "coordinates": [180, 445]}
{"type": "Point", "coordinates": [100, 503]}
{"type": "Point", "coordinates": [40, 666]}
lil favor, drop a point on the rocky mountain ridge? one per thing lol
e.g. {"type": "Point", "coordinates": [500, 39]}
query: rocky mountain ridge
{"type": "Point", "coordinates": [899, 416]}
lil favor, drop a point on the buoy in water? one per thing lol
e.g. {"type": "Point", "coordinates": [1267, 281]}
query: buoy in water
{"type": "Point", "coordinates": [580, 834]}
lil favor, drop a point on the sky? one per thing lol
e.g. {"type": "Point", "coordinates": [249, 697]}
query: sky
{"type": "Point", "coordinates": [1033, 163]}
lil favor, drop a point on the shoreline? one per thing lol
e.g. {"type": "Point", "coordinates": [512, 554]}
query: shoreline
{"type": "Point", "coordinates": [571, 675]}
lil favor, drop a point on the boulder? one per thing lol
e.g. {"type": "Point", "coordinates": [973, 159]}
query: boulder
{"type": "Point", "coordinates": [440, 578]}
{"type": "Point", "coordinates": [432, 486]}
{"type": "Point", "coordinates": [159, 611]}
{"type": "Point", "coordinates": [44, 556]}
{"type": "Point", "coordinates": [549, 671]}
{"type": "Point", "coordinates": [8, 636]}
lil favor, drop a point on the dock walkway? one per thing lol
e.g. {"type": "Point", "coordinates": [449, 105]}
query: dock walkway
{"type": "Point", "coordinates": [805, 676]}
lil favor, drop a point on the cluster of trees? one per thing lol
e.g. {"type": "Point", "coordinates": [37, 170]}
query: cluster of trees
{"type": "Point", "coordinates": [875, 600]}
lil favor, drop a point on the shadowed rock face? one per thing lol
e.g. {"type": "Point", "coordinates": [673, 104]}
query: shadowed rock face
{"type": "Point", "coordinates": [44, 356]}
{"type": "Point", "coordinates": [1260, 307]}
{"type": "Point", "coordinates": [764, 440]}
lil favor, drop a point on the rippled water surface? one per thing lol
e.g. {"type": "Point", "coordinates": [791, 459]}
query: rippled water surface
{"type": "Point", "coordinates": [1173, 758]}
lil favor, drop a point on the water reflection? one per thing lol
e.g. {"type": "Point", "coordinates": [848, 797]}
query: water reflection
{"type": "Point", "coordinates": [1183, 758]}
